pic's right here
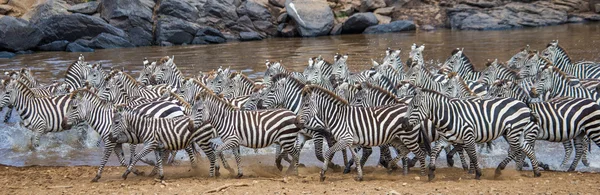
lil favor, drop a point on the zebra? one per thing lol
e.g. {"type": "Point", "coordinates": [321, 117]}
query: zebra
{"type": "Point", "coordinates": [416, 54]}
{"type": "Point", "coordinates": [391, 67]}
{"type": "Point", "coordinates": [358, 126]}
{"type": "Point", "coordinates": [54, 89]}
{"type": "Point", "coordinates": [24, 75]}
{"type": "Point", "coordinates": [191, 88]}
{"type": "Point", "coordinates": [167, 73]}
{"type": "Point", "coordinates": [319, 72]}
{"type": "Point", "coordinates": [497, 71]}
{"type": "Point", "coordinates": [274, 68]}
{"type": "Point", "coordinates": [86, 106]}
{"type": "Point", "coordinates": [238, 85]}
{"type": "Point", "coordinates": [393, 57]}
{"type": "Point", "coordinates": [533, 65]}
{"type": "Point", "coordinates": [41, 115]}
{"type": "Point", "coordinates": [121, 88]}
{"type": "Point", "coordinates": [156, 134]}
{"type": "Point", "coordinates": [516, 62]}
{"type": "Point", "coordinates": [96, 76]}
{"type": "Point", "coordinates": [76, 74]}
{"type": "Point", "coordinates": [341, 72]}
{"type": "Point", "coordinates": [420, 77]}
{"type": "Point", "coordinates": [216, 84]}
{"type": "Point", "coordinates": [559, 57]}
{"type": "Point", "coordinates": [553, 83]}
{"type": "Point", "coordinates": [513, 90]}
{"type": "Point", "coordinates": [253, 129]}
{"type": "Point", "coordinates": [146, 72]}
{"type": "Point", "coordinates": [458, 62]}
{"type": "Point", "coordinates": [468, 121]}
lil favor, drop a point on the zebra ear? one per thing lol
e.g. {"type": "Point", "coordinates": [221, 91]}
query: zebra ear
{"type": "Point", "coordinates": [413, 47]}
{"type": "Point", "coordinates": [488, 63]}
{"type": "Point", "coordinates": [422, 47]}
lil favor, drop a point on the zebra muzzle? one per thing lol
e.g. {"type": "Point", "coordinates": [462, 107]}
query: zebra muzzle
{"type": "Point", "coordinates": [65, 124]}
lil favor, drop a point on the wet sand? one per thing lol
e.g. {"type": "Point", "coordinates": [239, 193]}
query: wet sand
{"type": "Point", "coordinates": [265, 179]}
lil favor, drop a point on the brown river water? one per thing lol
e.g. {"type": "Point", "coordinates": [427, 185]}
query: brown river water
{"type": "Point", "coordinates": [62, 149]}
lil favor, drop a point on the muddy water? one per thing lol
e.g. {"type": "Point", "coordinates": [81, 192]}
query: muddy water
{"type": "Point", "coordinates": [580, 40]}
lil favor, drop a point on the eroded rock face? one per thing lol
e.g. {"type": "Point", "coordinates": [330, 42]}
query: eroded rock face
{"type": "Point", "coordinates": [46, 9]}
{"type": "Point", "coordinates": [512, 15]}
{"type": "Point", "coordinates": [133, 16]}
{"type": "Point", "coordinates": [17, 34]}
{"type": "Point", "coordinates": [175, 30]}
{"type": "Point", "coordinates": [74, 26]}
{"type": "Point", "coordinates": [313, 17]}
{"type": "Point", "coordinates": [85, 8]}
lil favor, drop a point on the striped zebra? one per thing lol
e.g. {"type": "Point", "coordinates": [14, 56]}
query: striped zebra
{"type": "Point", "coordinates": [238, 85]}
{"type": "Point", "coordinates": [549, 128]}
{"type": "Point", "coordinates": [253, 129]}
{"type": "Point", "coordinates": [76, 74]}
{"type": "Point", "coordinates": [393, 58]}
{"type": "Point", "coordinates": [416, 54]}
{"type": "Point", "coordinates": [167, 73]}
{"type": "Point", "coordinates": [319, 72]}
{"type": "Point", "coordinates": [86, 106]}
{"type": "Point", "coordinates": [553, 83]}
{"type": "Point", "coordinates": [341, 72]}
{"type": "Point", "coordinates": [559, 57]}
{"type": "Point", "coordinates": [469, 121]}
{"type": "Point", "coordinates": [96, 76]}
{"type": "Point", "coordinates": [391, 67]}
{"type": "Point", "coordinates": [533, 65]}
{"type": "Point", "coordinates": [405, 89]}
{"type": "Point", "coordinates": [285, 92]}
{"type": "Point", "coordinates": [516, 62]}
{"type": "Point", "coordinates": [146, 72]}
{"type": "Point", "coordinates": [54, 89]}
{"type": "Point", "coordinates": [157, 134]}
{"type": "Point", "coordinates": [497, 71]}
{"type": "Point", "coordinates": [461, 64]}
{"type": "Point", "coordinates": [422, 78]}
{"type": "Point", "coordinates": [122, 88]}
{"type": "Point", "coordinates": [358, 126]}
{"type": "Point", "coordinates": [346, 91]}
{"type": "Point", "coordinates": [24, 75]}
{"type": "Point", "coordinates": [274, 68]}
{"type": "Point", "coordinates": [191, 88]}
{"type": "Point", "coordinates": [217, 84]}
{"type": "Point", "coordinates": [40, 115]}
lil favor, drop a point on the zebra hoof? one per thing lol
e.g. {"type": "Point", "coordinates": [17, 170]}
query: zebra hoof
{"type": "Point", "coordinates": [537, 174]}
{"type": "Point", "coordinates": [124, 176]}
{"type": "Point", "coordinates": [347, 170]}
{"type": "Point", "coordinates": [431, 176]}
{"type": "Point", "coordinates": [322, 178]}
{"type": "Point", "coordinates": [571, 169]}
{"type": "Point", "coordinates": [239, 175]}
{"type": "Point", "coordinates": [497, 173]}
{"type": "Point", "coordinates": [96, 178]}
{"type": "Point", "coordinates": [450, 161]}
{"type": "Point", "coordinates": [279, 167]}
{"type": "Point", "coordinates": [477, 174]}
{"type": "Point", "coordinates": [546, 167]}
{"type": "Point", "coordinates": [358, 178]}
{"type": "Point", "coordinates": [585, 163]}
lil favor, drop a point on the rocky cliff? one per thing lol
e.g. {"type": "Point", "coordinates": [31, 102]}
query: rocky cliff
{"type": "Point", "coordinates": [81, 25]}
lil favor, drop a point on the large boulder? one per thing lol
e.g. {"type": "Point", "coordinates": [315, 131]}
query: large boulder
{"type": "Point", "coordinates": [17, 34]}
{"type": "Point", "coordinates": [312, 17]}
{"type": "Point", "coordinates": [74, 26]}
{"type": "Point", "coordinates": [209, 35]}
{"type": "Point", "coordinates": [85, 8]}
{"type": "Point", "coordinates": [357, 23]}
{"type": "Point", "coordinates": [249, 36]}
{"type": "Point", "coordinates": [60, 45]}
{"type": "Point", "coordinates": [220, 11]}
{"type": "Point", "coordinates": [373, 4]}
{"type": "Point", "coordinates": [179, 9]}
{"type": "Point", "coordinates": [175, 30]}
{"type": "Point", "coordinates": [46, 9]}
{"type": "Point", "coordinates": [108, 41]}
{"type": "Point", "coordinates": [395, 26]}
{"type": "Point", "coordinates": [133, 16]}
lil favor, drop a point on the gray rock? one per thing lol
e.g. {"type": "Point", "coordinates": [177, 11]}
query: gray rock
{"type": "Point", "coordinates": [265, 26]}
{"type": "Point", "coordinates": [256, 11]}
{"type": "Point", "coordinates": [60, 45]}
{"type": "Point", "coordinates": [386, 11]}
{"type": "Point", "coordinates": [313, 17]}
{"type": "Point", "coordinates": [179, 9]}
{"type": "Point", "coordinates": [287, 30]}
{"type": "Point", "coordinates": [74, 26]}
{"type": "Point", "coordinates": [428, 27]}
{"type": "Point", "coordinates": [75, 47]}
{"type": "Point", "coordinates": [214, 39]}
{"type": "Point", "coordinates": [84, 42]}
{"type": "Point", "coordinates": [134, 17]}
{"type": "Point", "coordinates": [6, 54]}
{"type": "Point", "coordinates": [373, 4]}
{"type": "Point", "coordinates": [283, 18]}
{"type": "Point", "coordinates": [357, 23]}
{"type": "Point", "coordinates": [395, 26]}
{"type": "Point", "coordinates": [175, 30]}
{"type": "Point", "coordinates": [596, 8]}
{"type": "Point", "coordinates": [209, 31]}
{"type": "Point", "coordinates": [24, 52]}
{"type": "Point", "coordinates": [209, 35]}
{"type": "Point", "coordinates": [249, 36]}
{"type": "Point", "coordinates": [337, 29]}
{"type": "Point", "coordinates": [244, 24]}
{"type": "Point", "coordinates": [199, 41]}
{"type": "Point", "coordinates": [278, 3]}
{"type": "Point", "coordinates": [17, 34]}
{"type": "Point", "coordinates": [46, 9]}
{"type": "Point", "coordinates": [108, 41]}
{"type": "Point", "coordinates": [221, 9]}
{"type": "Point", "coordinates": [575, 19]}
{"type": "Point", "coordinates": [85, 8]}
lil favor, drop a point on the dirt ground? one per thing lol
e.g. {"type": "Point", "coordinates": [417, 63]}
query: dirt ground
{"type": "Point", "coordinates": [263, 179]}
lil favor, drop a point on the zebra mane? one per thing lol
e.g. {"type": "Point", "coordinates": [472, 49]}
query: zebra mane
{"type": "Point", "coordinates": [210, 95]}
{"type": "Point", "coordinates": [125, 75]}
{"type": "Point", "coordinates": [379, 90]}
{"type": "Point", "coordinates": [178, 98]}
{"type": "Point", "coordinates": [561, 49]}
{"type": "Point", "coordinates": [562, 75]}
{"type": "Point", "coordinates": [468, 63]}
{"type": "Point", "coordinates": [280, 76]}
{"type": "Point", "coordinates": [245, 78]}
{"type": "Point", "coordinates": [463, 84]}
{"type": "Point", "coordinates": [197, 82]}
{"type": "Point", "coordinates": [72, 65]}
{"type": "Point", "coordinates": [320, 90]}
{"type": "Point", "coordinates": [163, 60]}
{"type": "Point", "coordinates": [503, 66]}
{"type": "Point", "coordinates": [26, 90]}
{"type": "Point", "coordinates": [88, 93]}
{"type": "Point", "coordinates": [546, 61]}
{"type": "Point", "coordinates": [431, 93]}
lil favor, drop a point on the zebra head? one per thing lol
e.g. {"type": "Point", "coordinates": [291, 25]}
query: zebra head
{"type": "Point", "coordinates": [217, 84]}
{"type": "Point", "coordinates": [113, 91]}
{"type": "Point", "coordinates": [255, 101]}
{"type": "Point", "coordinates": [453, 63]}
{"type": "Point", "coordinates": [96, 76]}
{"type": "Point", "coordinates": [4, 93]}
{"type": "Point", "coordinates": [533, 63]}
{"type": "Point", "coordinates": [545, 81]}
{"type": "Point", "coordinates": [199, 114]}
{"type": "Point", "coordinates": [392, 57]}
{"type": "Point", "coordinates": [418, 108]}
{"type": "Point", "coordinates": [275, 94]}
{"type": "Point", "coordinates": [362, 98]}
{"type": "Point", "coordinates": [518, 60]}
{"type": "Point", "coordinates": [11, 92]}
{"type": "Point", "coordinates": [146, 73]}
{"type": "Point", "coordinates": [313, 72]}
{"type": "Point", "coordinates": [414, 70]}
{"type": "Point", "coordinates": [273, 68]}
{"type": "Point", "coordinates": [552, 51]}
{"type": "Point", "coordinates": [118, 130]}
{"type": "Point", "coordinates": [74, 114]}
{"type": "Point", "coordinates": [308, 112]}
{"type": "Point", "coordinates": [191, 88]}
{"type": "Point", "coordinates": [347, 91]}
{"type": "Point", "coordinates": [490, 73]}
{"type": "Point", "coordinates": [163, 71]}
{"type": "Point", "coordinates": [406, 89]}
{"type": "Point", "coordinates": [416, 53]}
{"type": "Point", "coordinates": [339, 69]}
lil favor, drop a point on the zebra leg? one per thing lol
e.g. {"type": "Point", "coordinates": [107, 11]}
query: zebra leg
{"type": "Point", "coordinates": [385, 156]}
{"type": "Point", "coordinates": [579, 150]}
{"type": "Point", "coordinates": [8, 114]}
{"type": "Point", "coordinates": [402, 151]}
{"type": "Point", "coordinates": [147, 148]}
{"type": "Point", "coordinates": [358, 165]}
{"type": "Point", "coordinates": [108, 149]}
{"type": "Point", "coordinates": [159, 159]}
{"type": "Point", "coordinates": [210, 154]}
{"type": "Point", "coordinates": [586, 148]}
{"type": "Point", "coordinates": [472, 152]}
{"type": "Point", "coordinates": [514, 153]}
{"type": "Point", "coordinates": [458, 148]}
{"type": "Point", "coordinates": [318, 142]}
{"type": "Point", "coordinates": [568, 151]}
{"type": "Point", "coordinates": [238, 160]}
{"type": "Point", "coordinates": [338, 146]}
{"type": "Point", "coordinates": [290, 148]}
{"type": "Point", "coordinates": [434, 154]}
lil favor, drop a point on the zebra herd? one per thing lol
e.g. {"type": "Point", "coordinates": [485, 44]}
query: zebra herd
{"type": "Point", "coordinates": [405, 107]}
